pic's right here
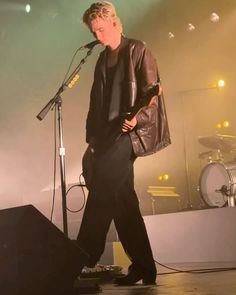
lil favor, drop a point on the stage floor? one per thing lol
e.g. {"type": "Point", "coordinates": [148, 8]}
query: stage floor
{"type": "Point", "coordinates": [215, 283]}
{"type": "Point", "coordinates": [194, 240]}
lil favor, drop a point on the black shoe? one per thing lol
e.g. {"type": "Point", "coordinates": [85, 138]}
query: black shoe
{"type": "Point", "coordinates": [133, 277]}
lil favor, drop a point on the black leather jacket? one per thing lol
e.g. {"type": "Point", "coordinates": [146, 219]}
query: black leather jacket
{"type": "Point", "coordinates": [136, 71]}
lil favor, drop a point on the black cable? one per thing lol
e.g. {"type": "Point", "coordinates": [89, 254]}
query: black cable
{"type": "Point", "coordinates": [84, 195]}
{"type": "Point", "coordinates": [72, 60]}
{"type": "Point", "coordinates": [194, 271]}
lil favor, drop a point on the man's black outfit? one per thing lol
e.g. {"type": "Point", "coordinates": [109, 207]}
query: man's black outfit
{"type": "Point", "coordinates": [111, 193]}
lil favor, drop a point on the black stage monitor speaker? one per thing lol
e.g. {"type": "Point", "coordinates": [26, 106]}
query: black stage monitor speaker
{"type": "Point", "coordinates": [36, 258]}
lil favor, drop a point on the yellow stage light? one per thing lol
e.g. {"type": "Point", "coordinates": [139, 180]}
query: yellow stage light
{"type": "Point", "coordinates": [218, 125]}
{"type": "Point", "coordinates": [165, 176]}
{"type": "Point", "coordinates": [226, 124]}
{"type": "Point", "coordinates": [221, 83]}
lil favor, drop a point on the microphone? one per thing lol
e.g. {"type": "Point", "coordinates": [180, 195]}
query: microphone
{"type": "Point", "coordinates": [89, 45]}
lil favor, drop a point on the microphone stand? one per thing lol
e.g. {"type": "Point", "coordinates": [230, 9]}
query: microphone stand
{"type": "Point", "coordinates": [56, 102]}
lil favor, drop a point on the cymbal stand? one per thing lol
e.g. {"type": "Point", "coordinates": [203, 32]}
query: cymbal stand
{"type": "Point", "coordinates": [231, 201]}
{"type": "Point", "coordinates": [189, 204]}
{"type": "Point", "coordinates": [181, 93]}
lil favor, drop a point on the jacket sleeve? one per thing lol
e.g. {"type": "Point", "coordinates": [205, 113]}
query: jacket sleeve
{"type": "Point", "coordinates": [145, 115]}
{"type": "Point", "coordinates": [151, 133]}
{"type": "Point", "coordinates": [147, 75]}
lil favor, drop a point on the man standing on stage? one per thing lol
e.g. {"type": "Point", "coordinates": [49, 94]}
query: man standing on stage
{"type": "Point", "coordinates": [125, 76]}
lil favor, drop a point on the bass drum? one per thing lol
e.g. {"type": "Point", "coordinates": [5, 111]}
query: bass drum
{"type": "Point", "coordinates": [217, 181]}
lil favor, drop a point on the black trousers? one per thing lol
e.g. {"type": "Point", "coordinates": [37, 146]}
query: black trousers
{"type": "Point", "coordinates": [112, 197]}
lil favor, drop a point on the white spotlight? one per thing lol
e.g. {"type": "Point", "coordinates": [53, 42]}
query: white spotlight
{"type": "Point", "coordinates": [171, 35]}
{"type": "Point", "coordinates": [190, 27]}
{"type": "Point", "coordinates": [221, 83]}
{"type": "Point", "coordinates": [214, 17]}
{"type": "Point", "coordinates": [28, 8]}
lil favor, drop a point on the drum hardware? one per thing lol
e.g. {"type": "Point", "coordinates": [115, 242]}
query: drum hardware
{"type": "Point", "coordinates": [211, 156]}
{"type": "Point", "coordinates": [231, 201]}
{"type": "Point", "coordinates": [208, 154]}
{"type": "Point", "coordinates": [224, 190]}
{"type": "Point", "coordinates": [219, 156]}
{"type": "Point", "coordinates": [227, 192]}
{"type": "Point", "coordinates": [217, 184]}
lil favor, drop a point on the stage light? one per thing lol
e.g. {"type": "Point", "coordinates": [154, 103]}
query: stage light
{"type": "Point", "coordinates": [190, 27]}
{"type": "Point", "coordinates": [28, 8]}
{"type": "Point", "coordinates": [165, 176]}
{"type": "Point", "coordinates": [221, 83]}
{"type": "Point", "coordinates": [171, 35]}
{"type": "Point", "coordinates": [226, 124]}
{"type": "Point", "coordinates": [214, 17]}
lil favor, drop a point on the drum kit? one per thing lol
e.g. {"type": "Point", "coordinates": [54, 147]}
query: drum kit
{"type": "Point", "coordinates": [217, 183]}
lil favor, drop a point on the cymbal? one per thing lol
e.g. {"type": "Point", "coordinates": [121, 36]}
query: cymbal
{"type": "Point", "coordinates": [224, 143]}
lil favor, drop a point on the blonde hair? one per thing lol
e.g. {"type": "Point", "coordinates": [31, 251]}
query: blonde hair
{"type": "Point", "coordinates": [104, 10]}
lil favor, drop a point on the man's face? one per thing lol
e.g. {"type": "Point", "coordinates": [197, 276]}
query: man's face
{"type": "Point", "coordinates": [103, 30]}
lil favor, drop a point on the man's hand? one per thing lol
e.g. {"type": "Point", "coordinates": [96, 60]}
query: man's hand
{"type": "Point", "coordinates": [128, 125]}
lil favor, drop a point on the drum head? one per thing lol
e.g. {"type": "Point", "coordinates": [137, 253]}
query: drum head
{"type": "Point", "coordinates": [213, 178]}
